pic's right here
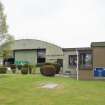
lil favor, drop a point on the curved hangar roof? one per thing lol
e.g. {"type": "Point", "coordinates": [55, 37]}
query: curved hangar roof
{"type": "Point", "coordinates": [28, 44]}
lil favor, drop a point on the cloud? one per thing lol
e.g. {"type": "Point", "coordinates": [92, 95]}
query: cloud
{"type": "Point", "coordinates": [41, 7]}
{"type": "Point", "coordinates": [68, 23]}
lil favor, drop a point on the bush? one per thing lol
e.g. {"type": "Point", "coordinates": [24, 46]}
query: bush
{"type": "Point", "coordinates": [19, 67]}
{"type": "Point", "coordinates": [58, 68]}
{"type": "Point", "coordinates": [25, 66]}
{"type": "Point", "coordinates": [33, 71]}
{"type": "Point", "coordinates": [41, 68]}
{"type": "Point", "coordinates": [30, 67]}
{"type": "Point", "coordinates": [3, 70]}
{"type": "Point", "coordinates": [24, 70]}
{"type": "Point", "coordinates": [13, 68]}
{"type": "Point", "coordinates": [13, 71]}
{"type": "Point", "coordinates": [48, 70]}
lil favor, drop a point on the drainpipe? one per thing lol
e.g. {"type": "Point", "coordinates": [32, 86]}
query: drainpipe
{"type": "Point", "coordinates": [77, 68]}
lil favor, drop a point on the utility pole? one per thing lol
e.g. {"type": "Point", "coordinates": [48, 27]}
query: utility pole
{"type": "Point", "coordinates": [77, 68]}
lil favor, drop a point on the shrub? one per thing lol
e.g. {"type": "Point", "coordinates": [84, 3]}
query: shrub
{"type": "Point", "coordinates": [24, 70]}
{"type": "Point", "coordinates": [30, 67]}
{"type": "Point", "coordinates": [3, 70]}
{"type": "Point", "coordinates": [41, 68]}
{"type": "Point", "coordinates": [13, 71]}
{"type": "Point", "coordinates": [25, 66]}
{"type": "Point", "coordinates": [58, 68]}
{"type": "Point", "coordinates": [19, 67]}
{"type": "Point", "coordinates": [33, 71]}
{"type": "Point", "coordinates": [48, 70]}
{"type": "Point", "coordinates": [13, 68]}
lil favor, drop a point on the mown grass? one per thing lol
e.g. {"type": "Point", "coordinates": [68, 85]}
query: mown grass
{"type": "Point", "coordinates": [25, 90]}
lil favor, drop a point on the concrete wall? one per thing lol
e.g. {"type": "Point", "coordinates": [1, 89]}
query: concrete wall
{"type": "Point", "coordinates": [66, 66]}
{"type": "Point", "coordinates": [85, 74]}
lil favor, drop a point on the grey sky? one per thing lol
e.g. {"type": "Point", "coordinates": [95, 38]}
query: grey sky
{"type": "Point", "coordinates": [68, 23]}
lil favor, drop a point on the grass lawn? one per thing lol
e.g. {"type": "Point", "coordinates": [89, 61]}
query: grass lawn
{"type": "Point", "coordinates": [24, 90]}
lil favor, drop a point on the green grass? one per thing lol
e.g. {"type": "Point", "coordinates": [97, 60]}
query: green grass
{"type": "Point", "coordinates": [24, 90]}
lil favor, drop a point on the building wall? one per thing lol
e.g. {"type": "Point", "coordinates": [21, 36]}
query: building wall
{"type": "Point", "coordinates": [66, 66]}
{"type": "Point", "coordinates": [98, 57]}
{"type": "Point", "coordinates": [84, 73]}
{"type": "Point", "coordinates": [53, 58]}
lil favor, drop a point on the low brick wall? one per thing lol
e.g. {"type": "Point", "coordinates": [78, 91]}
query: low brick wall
{"type": "Point", "coordinates": [85, 74]}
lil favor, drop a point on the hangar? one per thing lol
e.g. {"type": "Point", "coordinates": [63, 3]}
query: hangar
{"type": "Point", "coordinates": [35, 52]}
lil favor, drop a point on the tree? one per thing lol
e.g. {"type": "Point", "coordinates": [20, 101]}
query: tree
{"type": "Point", "coordinates": [5, 38]}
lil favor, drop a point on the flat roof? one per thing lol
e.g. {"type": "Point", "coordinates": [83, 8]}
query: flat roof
{"type": "Point", "coordinates": [73, 49]}
{"type": "Point", "coordinates": [98, 44]}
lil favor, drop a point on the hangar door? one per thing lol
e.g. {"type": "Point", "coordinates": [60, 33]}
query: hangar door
{"type": "Point", "coordinates": [29, 56]}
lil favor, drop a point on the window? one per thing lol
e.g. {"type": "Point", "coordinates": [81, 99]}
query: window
{"type": "Point", "coordinates": [41, 53]}
{"type": "Point", "coordinates": [85, 60]}
{"type": "Point", "coordinates": [72, 60]}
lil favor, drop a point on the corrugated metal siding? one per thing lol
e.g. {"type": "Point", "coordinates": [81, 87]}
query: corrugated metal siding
{"type": "Point", "coordinates": [30, 56]}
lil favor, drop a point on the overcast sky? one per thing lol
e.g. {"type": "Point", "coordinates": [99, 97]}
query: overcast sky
{"type": "Point", "coordinates": [67, 23]}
